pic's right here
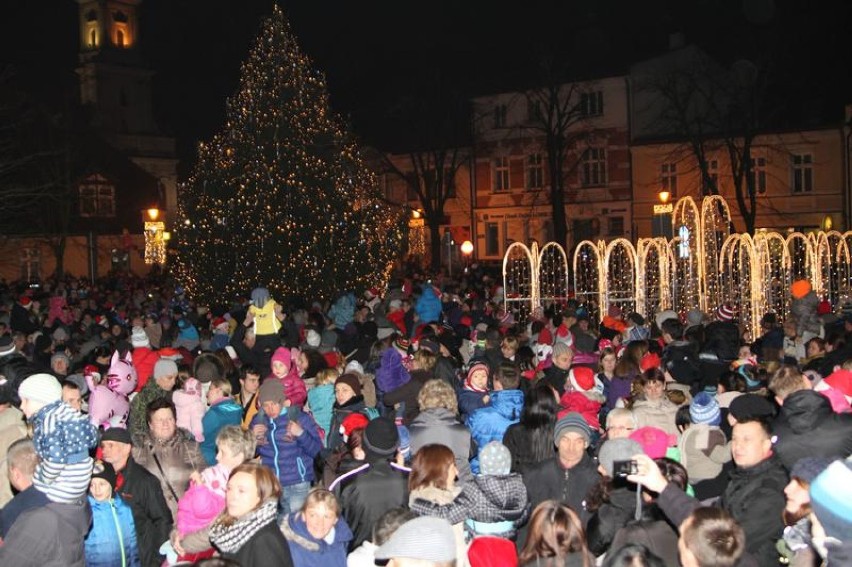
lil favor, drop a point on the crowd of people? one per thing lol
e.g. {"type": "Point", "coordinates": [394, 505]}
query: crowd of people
{"type": "Point", "coordinates": [423, 424]}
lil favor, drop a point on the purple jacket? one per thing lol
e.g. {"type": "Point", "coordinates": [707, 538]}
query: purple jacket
{"type": "Point", "coordinates": [391, 374]}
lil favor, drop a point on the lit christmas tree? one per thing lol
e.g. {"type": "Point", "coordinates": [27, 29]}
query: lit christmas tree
{"type": "Point", "coordinates": [281, 196]}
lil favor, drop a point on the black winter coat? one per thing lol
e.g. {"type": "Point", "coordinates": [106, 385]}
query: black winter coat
{"type": "Point", "coordinates": [549, 480]}
{"type": "Point", "coordinates": [367, 493]}
{"type": "Point", "coordinates": [722, 338]}
{"type": "Point", "coordinates": [151, 515]}
{"type": "Point", "coordinates": [808, 427]}
{"type": "Point", "coordinates": [755, 498]}
{"type": "Point", "coordinates": [609, 518]}
{"type": "Point", "coordinates": [266, 548]}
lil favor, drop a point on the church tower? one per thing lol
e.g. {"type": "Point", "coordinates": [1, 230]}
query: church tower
{"type": "Point", "coordinates": [116, 85]}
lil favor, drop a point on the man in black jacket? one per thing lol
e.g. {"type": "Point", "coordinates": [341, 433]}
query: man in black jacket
{"type": "Point", "coordinates": [375, 487]}
{"type": "Point", "coordinates": [806, 425]}
{"type": "Point", "coordinates": [568, 476]}
{"type": "Point", "coordinates": [142, 491]}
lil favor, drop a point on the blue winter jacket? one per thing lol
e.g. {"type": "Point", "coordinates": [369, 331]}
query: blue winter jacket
{"type": "Point", "coordinates": [307, 551]}
{"type": "Point", "coordinates": [343, 310]}
{"type": "Point", "coordinates": [491, 422]}
{"type": "Point", "coordinates": [112, 529]}
{"type": "Point", "coordinates": [292, 458]}
{"type": "Point", "coordinates": [321, 401]}
{"type": "Point", "coordinates": [222, 413]}
{"type": "Point", "coordinates": [428, 306]}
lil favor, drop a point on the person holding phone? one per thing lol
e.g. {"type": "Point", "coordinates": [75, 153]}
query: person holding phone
{"type": "Point", "coordinates": [288, 441]}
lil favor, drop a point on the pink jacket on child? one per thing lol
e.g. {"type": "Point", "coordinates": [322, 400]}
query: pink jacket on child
{"type": "Point", "coordinates": [190, 408]}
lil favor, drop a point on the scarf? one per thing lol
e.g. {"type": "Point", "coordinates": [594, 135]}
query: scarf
{"type": "Point", "coordinates": [229, 539]}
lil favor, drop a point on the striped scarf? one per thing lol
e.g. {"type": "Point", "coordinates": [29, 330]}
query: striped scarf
{"type": "Point", "coordinates": [229, 539]}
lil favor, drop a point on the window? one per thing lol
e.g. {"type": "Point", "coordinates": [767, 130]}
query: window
{"type": "Point", "coordinates": [501, 174]}
{"type": "Point", "coordinates": [492, 239]}
{"type": "Point", "coordinates": [803, 173]}
{"type": "Point", "coordinates": [616, 226]}
{"type": "Point", "coordinates": [591, 104]}
{"type": "Point", "coordinates": [757, 175]}
{"type": "Point", "coordinates": [594, 167]}
{"type": "Point", "coordinates": [500, 112]}
{"type": "Point", "coordinates": [668, 178]}
{"type": "Point", "coordinates": [97, 197]}
{"type": "Point", "coordinates": [713, 173]}
{"type": "Point", "coordinates": [534, 111]}
{"type": "Point", "coordinates": [535, 172]}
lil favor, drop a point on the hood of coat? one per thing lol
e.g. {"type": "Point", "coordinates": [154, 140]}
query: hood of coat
{"type": "Point", "coordinates": [804, 409]}
{"type": "Point", "coordinates": [295, 530]}
{"type": "Point", "coordinates": [508, 403]}
{"type": "Point", "coordinates": [434, 416]}
{"type": "Point", "coordinates": [505, 492]}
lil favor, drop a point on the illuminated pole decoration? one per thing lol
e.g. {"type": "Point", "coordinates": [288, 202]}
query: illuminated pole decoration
{"type": "Point", "coordinates": [155, 240]}
{"type": "Point", "coordinates": [590, 277]}
{"type": "Point", "coordinates": [416, 234]}
{"type": "Point", "coordinates": [688, 270]}
{"type": "Point", "coordinates": [534, 277]}
{"type": "Point", "coordinates": [715, 220]}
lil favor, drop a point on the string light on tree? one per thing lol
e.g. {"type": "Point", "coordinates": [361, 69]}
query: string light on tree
{"type": "Point", "coordinates": [281, 196]}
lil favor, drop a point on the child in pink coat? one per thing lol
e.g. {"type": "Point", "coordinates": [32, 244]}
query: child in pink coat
{"type": "Point", "coordinates": [286, 372]}
{"type": "Point", "coordinates": [190, 408]}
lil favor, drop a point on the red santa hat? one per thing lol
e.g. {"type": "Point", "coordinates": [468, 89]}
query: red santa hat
{"type": "Point", "coordinates": [582, 378]}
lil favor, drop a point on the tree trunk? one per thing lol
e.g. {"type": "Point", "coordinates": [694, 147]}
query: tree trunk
{"type": "Point", "coordinates": [557, 214]}
{"type": "Point", "coordinates": [435, 244]}
{"type": "Point", "coordinates": [59, 254]}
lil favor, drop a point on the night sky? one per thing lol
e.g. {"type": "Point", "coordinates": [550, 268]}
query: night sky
{"type": "Point", "coordinates": [374, 53]}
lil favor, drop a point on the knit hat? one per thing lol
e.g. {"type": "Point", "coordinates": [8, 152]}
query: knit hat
{"type": "Point", "coordinates": [425, 538]}
{"type": "Point", "coordinates": [165, 367]}
{"type": "Point", "coordinates": [751, 406]}
{"type": "Point", "coordinates": [824, 307]}
{"type": "Point", "coordinates": [80, 381]}
{"type": "Point", "coordinates": [705, 409]}
{"type": "Point", "coordinates": [60, 356]}
{"type": "Point", "coordinates": [476, 367]}
{"type": "Point", "coordinates": [402, 346]}
{"type": "Point", "coordinates": [139, 339]}
{"type": "Point", "coordinates": [104, 470]}
{"type": "Point", "coordinates": [495, 459]}
{"type": "Point", "coordinates": [271, 391]}
{"type": "Point", "coordinates": [571, 421]}
{"type": "Point", "coordinates": [560, 348]}
{"type": "Point", "coordinates": [381, 437]}
{"type": "Point", "coordinates": [655, 442]}
{"type": "Point", "coordinates": [663, 316]}
{"type": "Point", "coordinates": [831, 500]}
{"type": "Point", "coordinates": [351, 422]}
{"type": "Point", "coordinates": [281, 355]}
{"type": "Point", "coordinates": [207, 367]}
{"type": "Point", "coordinates": [395, 303]}
{"type": "Point", "coordinates": [117, 434]}
{"type": "Point", "coordinates": [650, 361]}
{"type": "Point", "coordinates": [614, 311]}
{"type": "Point", "coordinates": [617, 450]}
{"type": "Point", "coordinates": [42, 388]}
{"type": "Point", "coordinates": [350, 380]}
{"type": "Point", "coordinates": [694, 318]}
{"type": "Point", "coordinates": [25, 301]}
{"type": "Point", "coordinates": [313, 338]}
{"type": "Point", "coordinates": [582, 378]}
{"type": "Point", "coordinates": [808, 468]}
{"type": "Point", "coordinates": [354, 366]}
{"type": "Point", "coordinates": [7, 346]}
{"type": "Point", "coordinates": [492, 551]}
{"type": "Point", "coordinates": [724, 313]}
{"type": "Point", "coordinates": [429, 346]}
{"type": "Point", "coordinates": [800, 288]}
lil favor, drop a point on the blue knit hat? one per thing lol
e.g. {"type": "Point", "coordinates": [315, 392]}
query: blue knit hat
{"type": "Point", "coordinates": [705, 409]}
{"type": "Point", "coordinates": [831, 500]}
{"type": "Point", "coordinates": [495, 459]}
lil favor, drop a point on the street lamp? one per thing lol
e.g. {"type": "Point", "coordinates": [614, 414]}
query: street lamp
{"type": "Point", "coordinates": [155, 241]}
{"type": "Point", "coordinates": [467, 250]}
{"type": "Point", "coordinates": [662, 221]}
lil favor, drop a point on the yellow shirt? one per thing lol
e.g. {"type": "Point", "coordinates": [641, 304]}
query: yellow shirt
{"type": "Point", "coordinates": [265, 321]}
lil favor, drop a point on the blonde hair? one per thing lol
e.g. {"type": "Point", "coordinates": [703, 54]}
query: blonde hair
{"type": "Point", "coordinates": [425, 360]}
{"type": "Point", "coordinates": [326, 376]}
{"type": "Point", "coordinates": [436, 393]}
{"type": "Point", "coordinates": [322, 496]}
{"type": "Point", "coordinates": [223, 384]}
{"type": "Point", "coordinates": [237, 440]}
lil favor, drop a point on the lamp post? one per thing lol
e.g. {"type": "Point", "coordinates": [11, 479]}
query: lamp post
{"type": "Point", "coordinates": [155, 241]}
{"type": "Point", "coordinates": [662, 220]}
{"type": "Point", "coordinates": [467, 250]}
